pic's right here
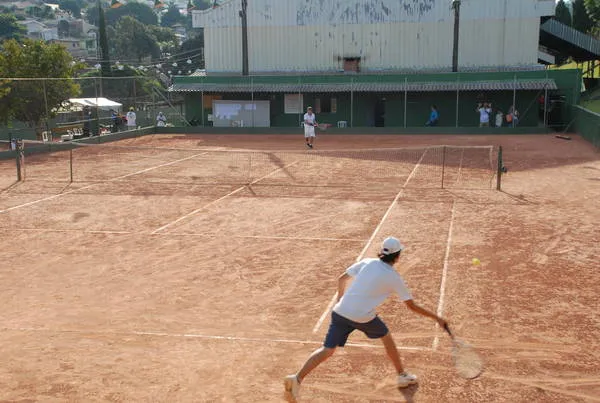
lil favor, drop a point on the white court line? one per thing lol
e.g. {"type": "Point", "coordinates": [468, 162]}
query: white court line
{"type": "Point", "coordinates": [203, 336]}
{"type": "Point", "coordinates": [96, 184]}
{"type": "Point", "coordinates": [67, 230]}
{"type": "Point", "coordinates": [156, 231]}
{"type": "Point", "coordinates": [291, 238]}
{"type": "Point", "coordinates": [440, 308]}
{"type": "Point", "coordinates": [373, 235]}
{"type": "Point", "coordinates": [207, 235]}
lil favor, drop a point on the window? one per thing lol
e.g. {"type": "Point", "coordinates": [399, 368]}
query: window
{"type": "Point", "coordinates": [326, 104]}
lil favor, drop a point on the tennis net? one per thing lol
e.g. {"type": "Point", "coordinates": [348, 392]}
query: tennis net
{"type": "Point", "coordinates": [417, 167]}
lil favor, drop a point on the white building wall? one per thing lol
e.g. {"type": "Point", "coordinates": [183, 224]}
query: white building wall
{"type": "Point", "coordinates": [304, 36]}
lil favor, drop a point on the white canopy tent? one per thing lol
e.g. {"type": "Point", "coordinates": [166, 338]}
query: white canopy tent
{"type": "Point", "coordinates": [102, 103]}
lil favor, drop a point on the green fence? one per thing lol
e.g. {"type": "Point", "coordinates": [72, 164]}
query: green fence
{"type": "Point", "coordinates": [587, 124]}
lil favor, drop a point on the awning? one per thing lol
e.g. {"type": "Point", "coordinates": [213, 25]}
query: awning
{"type": "Point", "coordinates": [102, 103]}
{"type": "Point", "coordinates": [568, 41]}
{"type": "Point", "coordinates": [506, 85]}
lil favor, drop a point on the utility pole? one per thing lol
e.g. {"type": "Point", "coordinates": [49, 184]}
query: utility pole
{"type": "Point", "coordinates": [244, 17]}
{"type": "Point", "coordinates": [456, 8]}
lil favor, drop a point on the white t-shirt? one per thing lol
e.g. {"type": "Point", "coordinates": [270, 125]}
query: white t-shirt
{"type": "Point", "coordinates": [484, 115]}
{"type": "Point", "coordinates": [373, 282]}
{"type": "Point", "coordinates": [130, 118]}
{"type": "Point", "coordinates": [310, 119]}
{"type": "Point", "coordinates": [499, 118]}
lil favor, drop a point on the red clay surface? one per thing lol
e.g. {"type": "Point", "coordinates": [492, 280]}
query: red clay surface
{"type": "Point", "coordinates": [141, 282]}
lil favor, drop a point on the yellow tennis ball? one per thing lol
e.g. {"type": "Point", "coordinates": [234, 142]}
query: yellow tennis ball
{"type": "Point", "coordinates": [475, 261]}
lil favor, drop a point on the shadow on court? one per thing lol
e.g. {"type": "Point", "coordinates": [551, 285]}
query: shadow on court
{"type": "Point", "coordinates": [409, 392]}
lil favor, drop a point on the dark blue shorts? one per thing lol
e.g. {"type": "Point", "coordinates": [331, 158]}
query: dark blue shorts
{"type": "Point", "coordinates": [340, 328]}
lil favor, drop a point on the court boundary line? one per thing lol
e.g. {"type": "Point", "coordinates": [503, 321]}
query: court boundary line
{"type": "Point", "coordinates": [274, 237]}
{"type": "Point", "coordinates": [156, 231]}
{"type": "Point", "coordinates": [201, 336]}
{"type": "Point", "coordinates": [440, 307]}
{"type": "Point", "coordinates": [373, 235]}
{"type": "Point", "coordinates": [181, 234]}
{"type": "Point", "coordinates": [96, 184]}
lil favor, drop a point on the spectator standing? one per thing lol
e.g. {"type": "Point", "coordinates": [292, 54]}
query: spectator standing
{"type": "Point", "coordinates": [513, 116]}
{"type": "Point", "coordinates": [499, 118]}
{"type": "Point", "coordinates": [485, 111]}
{"type": "Point", "coordinates": [131, 119]}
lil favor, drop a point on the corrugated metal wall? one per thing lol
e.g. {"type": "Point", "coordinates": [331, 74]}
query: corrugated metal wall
{"type": "Point", "coordinates": [315, 35]}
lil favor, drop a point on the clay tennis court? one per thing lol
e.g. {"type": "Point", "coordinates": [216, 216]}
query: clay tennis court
{"type": "Point", "coordinates": [168, 273]}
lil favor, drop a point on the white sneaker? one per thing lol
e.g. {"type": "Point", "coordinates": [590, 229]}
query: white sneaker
{"type": "Point", "coordinates": [405, 379]}
{"type": "Point", "coordinates": [292, 387]}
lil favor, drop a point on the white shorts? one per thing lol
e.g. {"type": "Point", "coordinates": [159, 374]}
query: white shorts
{"type": "Point", "coordinates": [309, 131]}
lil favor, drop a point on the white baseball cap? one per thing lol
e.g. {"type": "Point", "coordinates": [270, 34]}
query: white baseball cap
{"type": "Point", "coordinates": [391, 245]}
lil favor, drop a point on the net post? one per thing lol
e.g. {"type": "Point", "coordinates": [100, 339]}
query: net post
{"type": "Point", "coordinates": [19, 159]}
{"type": "Point", "coordinates": [443, 164]}
{"type": "Point", "coordinates": [71, 165]}
{"type": "Point", "coordinates": [500, 170]}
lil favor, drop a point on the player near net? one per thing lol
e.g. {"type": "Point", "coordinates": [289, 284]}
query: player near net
{"type": "Point", "coordinates": [374, 280]}
{"type": "Point", "coordinates": [310, 122]}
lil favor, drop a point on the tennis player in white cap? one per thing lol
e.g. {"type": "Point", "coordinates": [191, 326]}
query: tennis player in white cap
{"type": "Point", "coordinates": [374, 281]}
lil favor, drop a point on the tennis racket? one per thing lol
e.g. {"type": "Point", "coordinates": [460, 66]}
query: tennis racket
{"type": "Point", "coordinates": [467, 361]}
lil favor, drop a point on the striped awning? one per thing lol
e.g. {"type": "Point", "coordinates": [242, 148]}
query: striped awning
{"type": "Point", "coordinates": [506, 85]}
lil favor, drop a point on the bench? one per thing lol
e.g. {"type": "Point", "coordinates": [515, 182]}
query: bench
{"type": "Point", "coordinates": [68, 133]}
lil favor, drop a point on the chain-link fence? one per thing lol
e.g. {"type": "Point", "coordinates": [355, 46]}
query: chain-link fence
{"type": "Point", "coordinates": [61, 109]}
{"type": "Point", "coordinates": [444, 100]}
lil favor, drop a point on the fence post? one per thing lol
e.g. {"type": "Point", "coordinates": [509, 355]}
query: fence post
{"type": "Point", "coordinates": [500, 169]}
{"type": "Point", "coordinates": [352, 102]}
{"type": "Point", "coordinates": [443, 164]}
{"type": "Point", "coordinates": [203, 111]}
{"type": "Point", "coordinates": [46, 105]}
{"type": "Point", "coordinates": [252, 98]}
{"type": "Point", "coordinates": [514, 103]}
{"type": "Point", "coordinates": [405, 99]}
{"type": "Point", "coordinates": [71, 164]}
{"type": "Point", "coordinates": [300, 102]}
{"type": "Point", "coordinates": [457, 97]}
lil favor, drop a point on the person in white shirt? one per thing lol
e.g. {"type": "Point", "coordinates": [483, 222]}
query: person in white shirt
{"type": "Point", "coordinates": [310, 121]}
{"type": "Point", "coordinates": [374, 281]}
{"type": "Point", "coordinates": [130, 119]}
{"type": "Point", "coordinates": [484, 114]}
{"type": "Point", "coordinates": [161, 120]}
{"type": "Point", "coordinates": [499, 118]}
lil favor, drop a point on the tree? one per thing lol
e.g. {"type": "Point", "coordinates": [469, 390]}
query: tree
{"type": "Point", "coordinates": [141, 12]}
{"type": "Point", "coordinates": [172, 16]}
{"type": "Point", "coordinates": [134, 87]}
{"type": "Point", "coordinates": [32, 101]}
{"type": "Point", "coordinates": [593, 9]}
{"type": "Point", "coordinates": [103, 43]}
{"type": "Point", "coordinates": [192, 50]}
{"type": "Point", "coordinates": [72, 6]}
{"type": "Point", "coordinates": [10, 28]}
{"type": "Point", "coordinates": [581, 19]}
{"type": "Point", "coordinates": [204, 4]}
{"type": "Point", "coordinates": [562, 13]}
{"type": "Point", "coordinates": [132, 39]}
